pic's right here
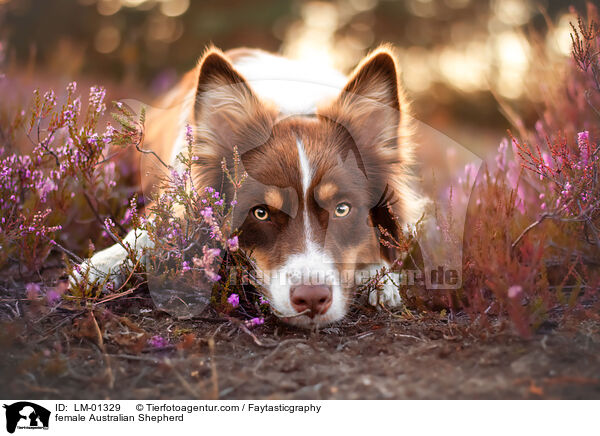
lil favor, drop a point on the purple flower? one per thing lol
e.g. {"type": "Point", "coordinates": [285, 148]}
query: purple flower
{"type": "Point", "coordinates": [32, 290]}
{"type": "Point", "coordinates": [212, 276]}
{"type": "Point", "coordinates": [189, 135]}
{"type": "Point", "coordinates": [233, 244]}
{"type": "Point", "coordinates": [263, 301]}
{"type": "Point", "coordinates": [53, 296]}
{"type": "Point", "coordinates": [158, 342]}
{"type": "Point", "coordinates": [583, 137]}
{"type": "Point", "coordinates": [206, 263]}
{"type": "Point", "coordinates": [234, 300]}
{"type": "Point", "coordinates": [207, 213]}
{"type": "Point", "coordinates": [215, 231]}
{"type": "Point", "coordinates": [45, 188]}
{"type": "Point", "coordinates": [49, 100]}
{"type": "Point", "coordinates": [255, 321]}
{"type": "Point", "coordinates": [514, 291]}
{"type": "Point", "coordinates": [584, 150]}
{"type": "Point", "coordinates": [501, 157]}
{"type": "Point", "coordinates": [96, 100]}
{"type": "Point", "coordinates": [127, 217]}
{"type": "Point", "coordinates": [208, 255]}
{"type": "Point", "coordinates": [108, 133]}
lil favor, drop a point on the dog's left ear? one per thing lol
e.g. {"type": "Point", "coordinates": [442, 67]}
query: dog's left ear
{"type": "Point", "coordinates": [227, 112]}
{"type": "Point", "coordinates": [370, 105]}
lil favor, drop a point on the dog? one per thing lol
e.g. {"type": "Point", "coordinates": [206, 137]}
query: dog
{"type": "Point", "coordinates": [329, 162]}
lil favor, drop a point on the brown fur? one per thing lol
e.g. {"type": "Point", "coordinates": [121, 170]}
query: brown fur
{"type": "Point", "coordinates": [358, 144]}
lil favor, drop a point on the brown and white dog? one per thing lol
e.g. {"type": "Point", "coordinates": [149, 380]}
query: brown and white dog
{"type": "Point", "coordinates": [328, 159]}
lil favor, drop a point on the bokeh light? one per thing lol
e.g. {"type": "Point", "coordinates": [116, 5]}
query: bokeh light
{"type": "Point", "coordinates": [456, 56]}
{"type": "Point", "coordinates": [107, 39]}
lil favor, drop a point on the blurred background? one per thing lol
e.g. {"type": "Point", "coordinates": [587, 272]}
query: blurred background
{"type": "Point", "coordinates": [458, 56]}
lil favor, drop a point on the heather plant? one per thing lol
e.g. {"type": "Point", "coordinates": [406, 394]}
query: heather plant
{"type": "Point", "coordinates": [195, 257]}
{"type": "Point", "coordinates": [531, 246]}
{"type": "Point", "coordinates": [44, 190]}
{"type": "Point", "coordinates": [562, 159]}
{"type": "Point", "coordinates": [565, 155]}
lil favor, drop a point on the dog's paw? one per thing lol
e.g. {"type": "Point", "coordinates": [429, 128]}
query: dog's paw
{"type": "Point", "coordinates": [107, 267]}
{"type": "Point", "coordinates": [102, 269]}
{"type": "Point", "coordinates": [389, 295]}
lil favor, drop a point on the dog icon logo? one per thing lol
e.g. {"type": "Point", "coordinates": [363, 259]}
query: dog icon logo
{"type": "Point", "coordinates": [26, 415]}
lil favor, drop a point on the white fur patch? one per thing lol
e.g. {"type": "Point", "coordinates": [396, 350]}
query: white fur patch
{"type": "Point", "coordinates": [305, 169]}
{"type": "Point", "coordinates": [106, 265]}
{"type": "Point", "coordinates": [389, 295]}
{"type": "Point", "coordinates": [312, 267]}
{"type": "Point", "coordinates": [295, 87]}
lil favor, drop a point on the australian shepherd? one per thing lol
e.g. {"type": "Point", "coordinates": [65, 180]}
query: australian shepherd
{"type": "Point", "coordinates": [328, 158]}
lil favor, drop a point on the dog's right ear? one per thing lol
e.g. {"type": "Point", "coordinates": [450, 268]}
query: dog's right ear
{"type": "Point", "coordinates": [227, 112]}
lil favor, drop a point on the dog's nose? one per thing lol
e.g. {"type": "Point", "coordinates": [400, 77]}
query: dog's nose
{"type": "Point", "coordinates": [317, 298]}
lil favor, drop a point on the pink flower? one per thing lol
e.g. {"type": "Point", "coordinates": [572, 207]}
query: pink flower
{"type": "Point", "coordinates": [234, 300]}
{"type": "Point", "coordinates": [72, 87]}
{"type": "Point", "coordinates": [158, 342]}
{"type": "Point", "coordinates": [207, 213]}
{"type": "Point", "coordinates": [501, 157]}
{"type": "Point", "coordinates": [215, 231]}
{"type": "Point", "coordinates": [514, 291]}
{"type": "Point", "coordinates": [208, 255]}
{"type": "Point", "coordinates": [255, 321]}
{"type": "Point", "coordinates": [583, 136]}
{"type": "Point", "coordinates": [233, 243]}
{"type": "Point", "coordinates": [189, 135]}
{"type": "Point", "coordinates": [212, 275]}
{"type": "Point", "coordinates": [53, 296]}
{"type": "Point", "coordinates": [32, 290]}
{"type": "Point", "coordinates": [45, 188]}
{"type": "Point", "coordinates": [583, 143]}
{"type": "Point", "coordinates": [127, 217]}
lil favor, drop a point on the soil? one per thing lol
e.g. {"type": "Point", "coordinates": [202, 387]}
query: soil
{"type": "Point", "coordinates": [69, 352]}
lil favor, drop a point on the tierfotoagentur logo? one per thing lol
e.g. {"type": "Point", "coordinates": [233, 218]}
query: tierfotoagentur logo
{"type": "Point", "coordinates": [24, 415]}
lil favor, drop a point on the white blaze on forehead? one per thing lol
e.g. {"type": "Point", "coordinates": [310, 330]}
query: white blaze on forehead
{"type": "Point", "coordinates": [306, 175]}
{"type": "Point", "coordinates": [305, 169]}
{"type": "Point", "coordinates": [311, 266]}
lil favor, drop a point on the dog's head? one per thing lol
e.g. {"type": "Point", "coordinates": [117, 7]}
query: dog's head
{"type": "Point", "coordinates": [319, 186]}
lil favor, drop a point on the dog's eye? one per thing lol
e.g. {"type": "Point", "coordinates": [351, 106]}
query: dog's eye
{"type": "Point", "coordinates": [342, 209]}
{"type": "Point", "coordinates": [260, 213]}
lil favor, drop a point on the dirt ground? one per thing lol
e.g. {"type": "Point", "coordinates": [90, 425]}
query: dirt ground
{"type": "Point", "coordinates": [74, 353]}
